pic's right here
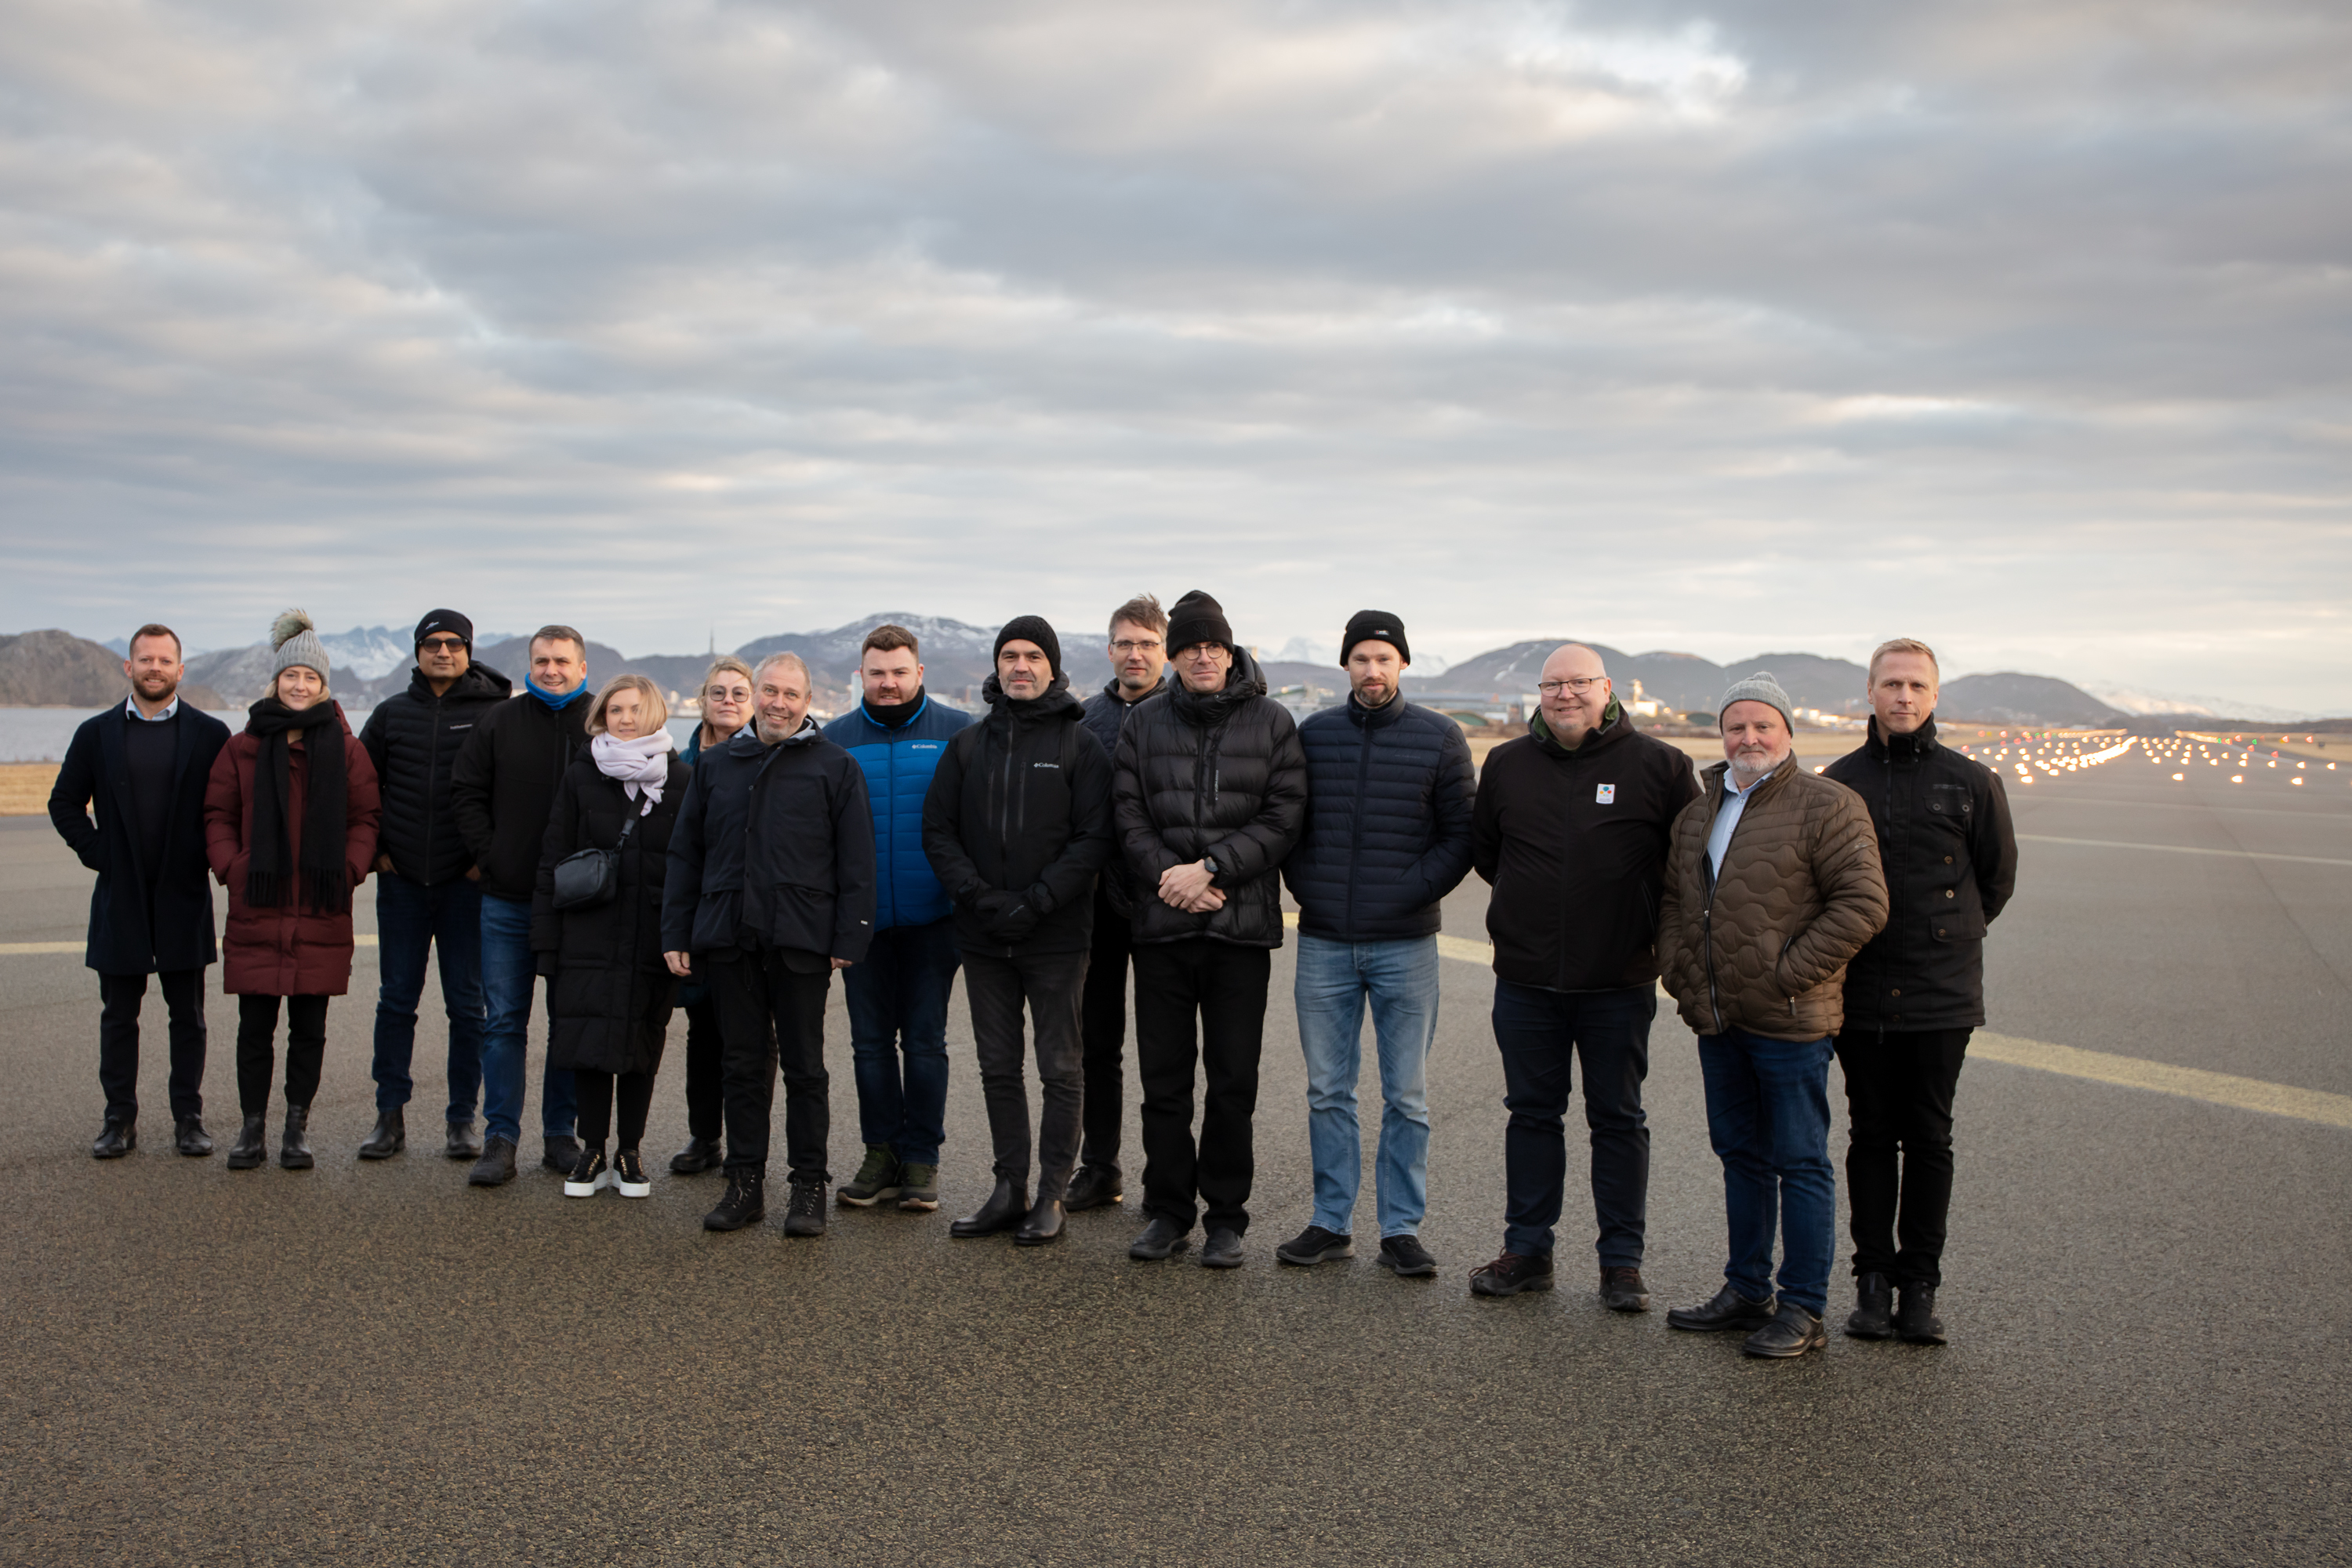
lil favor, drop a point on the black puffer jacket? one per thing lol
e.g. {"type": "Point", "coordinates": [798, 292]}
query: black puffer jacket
{"type": "Point", "coordinates": [1951, 858]}
{"type": "Point", "coordinates": [774, 848]}
{"type": "Point", "coordinates": [1106, 717]}
{"type": "Point", "coordinates": [1388, 821]}
{"type": "Point", "coordinates": [1575, 843]}
{"type": "Point", "coordinates": [413, 739]}
{"type": "Point", "coordinates": [1017, 822]}
{"type": "Point", "coordinates": [609, 1001]}
{"type": "Point", "coordinates": [504, 784]}
{"type": "Point", "coordinates": [1219, 773]}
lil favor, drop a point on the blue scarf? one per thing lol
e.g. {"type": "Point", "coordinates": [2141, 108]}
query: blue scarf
{"type": "Point", "coordinates": [550, 699]}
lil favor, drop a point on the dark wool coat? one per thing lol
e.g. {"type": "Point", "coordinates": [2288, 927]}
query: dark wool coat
{"type": "Point", "coordinates": [1021, 805]}
{"type": "Point", "coordinates": [413, 739]}
{"type": "Point", "coordinates": [1388, 821]}
{"type": "Point", "coordinates": [1950, 859]}
{"type": "Point", "coordinates": [1764, 947]}
{"type": "Point", "coordinates": [121, 941]}
{"type": "Point", "coordinates": [609, 1000]}
{"type": "Point", "coordinates": [292, 950]}
{"type": "Point", "coordinates": [1219, 773]}
{"type": "Point", "coordinates": [503, 786]}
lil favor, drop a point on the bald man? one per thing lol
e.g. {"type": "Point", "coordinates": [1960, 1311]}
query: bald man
{"type": "Point", "coordinates": [1571, 827]}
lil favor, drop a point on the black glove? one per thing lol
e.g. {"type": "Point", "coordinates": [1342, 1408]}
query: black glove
{"type": "Point", "coordinates": [992, 905]}
{"type": "Point", "coordinates": [1017, 923]}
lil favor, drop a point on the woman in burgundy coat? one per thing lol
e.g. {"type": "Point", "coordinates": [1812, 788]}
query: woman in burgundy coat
{"type": "Point", "coordinates": [290, 892]}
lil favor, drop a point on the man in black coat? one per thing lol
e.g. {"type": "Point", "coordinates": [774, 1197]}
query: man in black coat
{"type": "Point", "coordinates": [428, 891]}
{"type": "Point", "coordinates": [1388, 836]}
{"type": "Point", "coordinates": [1916, 991]}
{"type": "Point", "coordinates": [1016, 824]}
{"type": "Point", "coordinates": [1572, 827]}
{"type": "Point", "coordinates": [1139, 665]}
{"type": "Point", "coordinates": [1208, 792]}
{"type": "Point", "coordinates": [143, 767]}
{"type": "Point", "coordinates": [502, 789]}
{"type": "Point", "coordinates": [770, 888]}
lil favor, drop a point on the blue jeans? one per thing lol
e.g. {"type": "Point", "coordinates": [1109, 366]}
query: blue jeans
{"type": "Point", "coordinates": [411, 920]}
{"type": "Point", "coordinates": [508, 967]}
{"type": "Point", "coordinates": [1334, 980]}
{"type": "Point", "coordinates": [1768, 1112]}
{"type": "Point", "coordinates": [1541, 1034]}
{"type": "Point", "coordinates": [898, 996]}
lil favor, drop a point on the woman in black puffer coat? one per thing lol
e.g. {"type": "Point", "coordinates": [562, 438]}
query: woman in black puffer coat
{"type": "Point", "coordinates": [611, 993]}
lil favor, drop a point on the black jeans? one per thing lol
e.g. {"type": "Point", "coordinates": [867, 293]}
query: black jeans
{"type": "Point", "coordinates": [770, 1013]}
{"type": "Point", "coordinates": [1899, 1086]}
{"type": "Point", "coordinates": [1540, 1032]}
{"type": "Point", "coordinates": [256, 1055]}
{"type": "Point", "coordinates": [704, 1068]}
{"type": "Point", "coordinates": [1222, 986]}
{"type": "Point", "coordinates": [118, 996]}
{"type": "Point", "coordinates": [1103, 1029]}
{"type": "Point", "coordinates": [1050, 982]}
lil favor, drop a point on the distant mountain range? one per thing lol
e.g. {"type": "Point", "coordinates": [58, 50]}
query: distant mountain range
{"type": "Point", "coordinates": [55, 669]}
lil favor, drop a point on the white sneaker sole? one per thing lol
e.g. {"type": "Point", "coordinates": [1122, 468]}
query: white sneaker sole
{"type": "Point", "coordinates": [572, 1189]}
{"type": "Point", "coordinates": [633, 1189]}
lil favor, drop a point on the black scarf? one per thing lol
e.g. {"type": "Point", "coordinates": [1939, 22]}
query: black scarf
{"type": "Point", "coordinates": [326, 886]}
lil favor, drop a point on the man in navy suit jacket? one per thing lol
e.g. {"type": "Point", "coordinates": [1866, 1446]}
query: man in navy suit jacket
{"type": "Point", "coordinates": [143, 766]}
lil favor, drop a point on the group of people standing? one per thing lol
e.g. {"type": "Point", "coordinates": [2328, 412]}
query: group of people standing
{"type": "Point", "coordinates": [1045, 850]}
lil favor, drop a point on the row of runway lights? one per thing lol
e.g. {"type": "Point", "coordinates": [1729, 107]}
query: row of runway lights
{"type": "Point", "coordinates": [2053, 754]}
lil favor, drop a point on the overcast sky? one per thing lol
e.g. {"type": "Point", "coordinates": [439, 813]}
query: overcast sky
{"type": "Point", "coordinates": [2024, 326]}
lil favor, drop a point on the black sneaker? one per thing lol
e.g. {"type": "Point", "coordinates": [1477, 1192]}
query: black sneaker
{"type": "Point", "coordinates": [562, 1154]}
{"type": "Point", "coordinates": [1222, 1249]}
{"type": "Point", "coordinates": [1162, 1238]}
{"type": "Point", "coordinates": [1404, 1256]}
{"type": "Point", "coordinates": [1914, 1317]}
{"type": "Point", "coordinates": [877, 1179]}
{"type": "Point", "coordinates": [1092, 1187]}
{"type": "Point", "coordinates": [1791, 1332]}
{"type": "Point", "coordinates": [1316, 1245]}
{"type": "Point", "coordinates": [1871, 1319]}
{"type": "Point", "coordinates": [1510, 1274]}
{"type": "Point", "coordinates": [1622, 1291]}
{"type": "Point", "coordinates": [804, 1213]}
{"type": "Point", "coordinates": [629, 1177]}
{"type": "Point", "coordinates": [1727, 1310]}
{"type": "Point", "coordinates": [743, 1204]}
{"type": "Point", "coordinates": [588, 1176]}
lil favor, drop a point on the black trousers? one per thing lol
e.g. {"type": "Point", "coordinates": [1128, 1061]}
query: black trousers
{"type": "Point", "coordinates": [771, 1014]}
{"type": "Point", "coordinates": [1899, 1086]}
{"type": "Point", "coordinates": [1103, 1030]}
{"type": "Point", "coordinates": [256, 1052]}
{"type": "Point", "coordinates": [1199, 1002]}
{"type": "Point", "coordinates": [704, 1068]}
{"type": "Point", "coordinates": [1051, 983]}
{"type": "Point", "coordinates": [118, 996]}
{"type": "Point", "coordinates": [598, 1093]}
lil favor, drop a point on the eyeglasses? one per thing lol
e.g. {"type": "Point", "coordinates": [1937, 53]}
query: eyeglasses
{"type": "Point", "coordinates": [1579, 684]}
{"type": "Point", "coordinates": [442, 645]}
{"type": "Point", "coordinates": [1127, 647]}
{"type": "Point", "coordinates": [725, 694]}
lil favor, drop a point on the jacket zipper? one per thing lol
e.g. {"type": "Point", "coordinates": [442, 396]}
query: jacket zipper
{"type": "Point", "coordinates": [1356, 829]}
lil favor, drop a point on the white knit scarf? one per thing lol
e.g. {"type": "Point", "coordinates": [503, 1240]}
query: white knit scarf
{"type": "Point", "coordinates": [641, 765]}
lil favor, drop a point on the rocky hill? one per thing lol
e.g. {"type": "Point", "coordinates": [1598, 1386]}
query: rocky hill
{"type": "Point", "coordinates": [58, 669]}
{"type": "Point", "coordinates": [2009, 698]}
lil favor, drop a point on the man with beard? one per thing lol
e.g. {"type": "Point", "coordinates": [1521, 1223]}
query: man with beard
{"type": "Point", "coordinates": [428, 891]}
{"type": "Point", "coordinates": [142, 767]}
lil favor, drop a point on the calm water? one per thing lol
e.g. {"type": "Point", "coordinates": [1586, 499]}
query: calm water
{"type": "Point", "coordinates": [42, 734]}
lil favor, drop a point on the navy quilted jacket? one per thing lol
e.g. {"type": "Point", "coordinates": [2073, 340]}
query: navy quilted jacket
{"type": "Point", "coordinates": [899, 761]}
{"type": "Point", "coordinates": [1388, 822]}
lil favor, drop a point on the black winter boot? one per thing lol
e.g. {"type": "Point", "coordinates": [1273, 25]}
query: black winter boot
{"type": "Point", "coordinates": [390, 1137]}
{"type": "Point", "coordinates": [294, 1153]}
{"type": "Point", "coordinates": [252, 1142]}
{"type": "Point", "coordinates": [1868, 1320]}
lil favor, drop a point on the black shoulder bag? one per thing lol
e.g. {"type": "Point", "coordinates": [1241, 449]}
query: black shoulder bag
{"type": "Point", "coordinates": [587, 878]}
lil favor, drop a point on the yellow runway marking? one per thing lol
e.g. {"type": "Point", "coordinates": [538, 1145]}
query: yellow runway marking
{"type": "Point", "coordinates": [14, 949]}
{"type": "Point", "coordinates": [2183, 849]}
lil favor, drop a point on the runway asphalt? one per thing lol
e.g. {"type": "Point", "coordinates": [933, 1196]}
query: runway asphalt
{"type": "Point", "coordinates": [2147, 1295]}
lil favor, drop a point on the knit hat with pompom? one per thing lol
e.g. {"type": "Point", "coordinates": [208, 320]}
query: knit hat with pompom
{"type": "Point", "coordinates": [295, 641]}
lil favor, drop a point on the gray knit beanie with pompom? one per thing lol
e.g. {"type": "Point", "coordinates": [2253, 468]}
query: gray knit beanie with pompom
{"type": "Point", "coordinates": [295, 641]}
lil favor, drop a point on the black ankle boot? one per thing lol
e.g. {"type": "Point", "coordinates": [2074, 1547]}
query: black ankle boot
{"type": "Point", "coordinates": [390, 1137]}
{"type": "Point", "coordinates": [1044, 1224]}
{"type": "Point", "coordinates": [1873, 1301]}
{"type": "Point", "coordinates": [1002, 1211]}
{"type": "Point", "coordinates": [294, 1153]}
{"type": "Point", "coordinates": [251, 1146]}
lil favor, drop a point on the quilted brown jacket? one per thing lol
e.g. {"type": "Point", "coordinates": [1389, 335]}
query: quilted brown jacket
{"type": "Point", "coordinates": [1764, 948]}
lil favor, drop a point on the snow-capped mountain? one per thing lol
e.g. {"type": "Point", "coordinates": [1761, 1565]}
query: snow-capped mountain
{"type": "Point", "coordinates": [368, 652]}
{"type": "Point", "coordinates": [2132, 700]}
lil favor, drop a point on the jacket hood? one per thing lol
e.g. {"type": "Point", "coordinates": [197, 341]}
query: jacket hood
{"type": "Point", "coordinates": [480, 683]}
{"type": "Point", "coordinates": [1614, 723]}
{"type": "Point", "coordinates": [1243, 682]}
{"type": "Point", "coordinates": [1918, 743]}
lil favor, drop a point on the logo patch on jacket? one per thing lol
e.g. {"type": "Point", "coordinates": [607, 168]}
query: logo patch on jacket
{"type": "Point", "coordinates": [1604, 794]}
{"type": "Point", "coordinates": [1056, 766]}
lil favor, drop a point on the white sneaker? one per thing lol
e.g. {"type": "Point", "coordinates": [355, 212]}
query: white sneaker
{"type": "Point", "coordinates": [628, 1173]}
{"type": "Point", "coordinates": [589, 1175]}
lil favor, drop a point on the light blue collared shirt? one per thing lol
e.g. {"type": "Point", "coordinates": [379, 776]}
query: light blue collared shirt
{"type": "Point", "coordinates": [1727, 817]}
{"type": "Point", "coordinates": [131, 706]}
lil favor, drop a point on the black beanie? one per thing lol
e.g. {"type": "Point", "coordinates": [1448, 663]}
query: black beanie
{"type": "Point", "coordinates": [444, 621]}
{"type": "Point", "coordinates": [1197, 619]}
{"type": "Point", "coordinates": [1035, 630]}
{"type": "Point", "coordinates": [1374, 625]}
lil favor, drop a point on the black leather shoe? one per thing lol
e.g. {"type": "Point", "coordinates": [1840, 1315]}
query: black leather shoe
{"type": "Point", "coordinates": [1869, 1318]}
{"type": "Point", "coordinates": [1044, 1224]}
{"type": "Point", "coordinates": [1622, 1291]}
{"type": "Point", "coordinates": [252, 1143]}
{"type": "Point", "coordinates": [1791, 1333]}
{"type": "Point", "coordinates": [1162, 1238]}
{"type": "Point", "coordinates": [1092, 1187]}
{"type": "Point", "coordinates": [1403, 1256]}
{"type": "Point", "coordinates": [562, 1152]}
{"type": "Point", "coordinates": [697, 1157]}
{"type": "Point", "coordinates": [1221, 1250]}
{"type": "Point", "coordinates": [1916, 1318]}
{"type": "Point", "coordinates": [1002, 1211]}
{"type": "Point", "coordinates": [745, 1202]}
{"type": "Point", "coordinates": [114, 1139]}
{"type": "Point", "coordinates": [1315, 1245]}
{"type": "Point", "coordinates": [1510, 1274]}
{"type": "Point", "coordinates": [1728, 1309]}
{"type": "Point", "coordinates": [390, 1137]}
{"type": "Point", "coordinates": [496, 1168]}
{"type": "Point", "coordinates": [191, 1139]}
{"type": "Point", "coordinates": [294, 1149]}
{"type": "Point", "coordinates": [462, 1145]}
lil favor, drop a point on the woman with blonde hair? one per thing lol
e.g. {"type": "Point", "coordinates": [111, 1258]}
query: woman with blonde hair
{"type": "Point", "coordinates": [596, 925]}
{"type": "Point", "coordinates": [726, 708]}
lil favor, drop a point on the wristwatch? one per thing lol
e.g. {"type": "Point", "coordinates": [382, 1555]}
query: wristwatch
{"type": "Point", "coordinates": [1210, 862]}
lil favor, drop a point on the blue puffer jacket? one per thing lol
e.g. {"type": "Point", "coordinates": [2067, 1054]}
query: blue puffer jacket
{"type": "Point", "coordinates": [1389, 792]}
{"type": "Point", "coordinates": [898, 760]}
